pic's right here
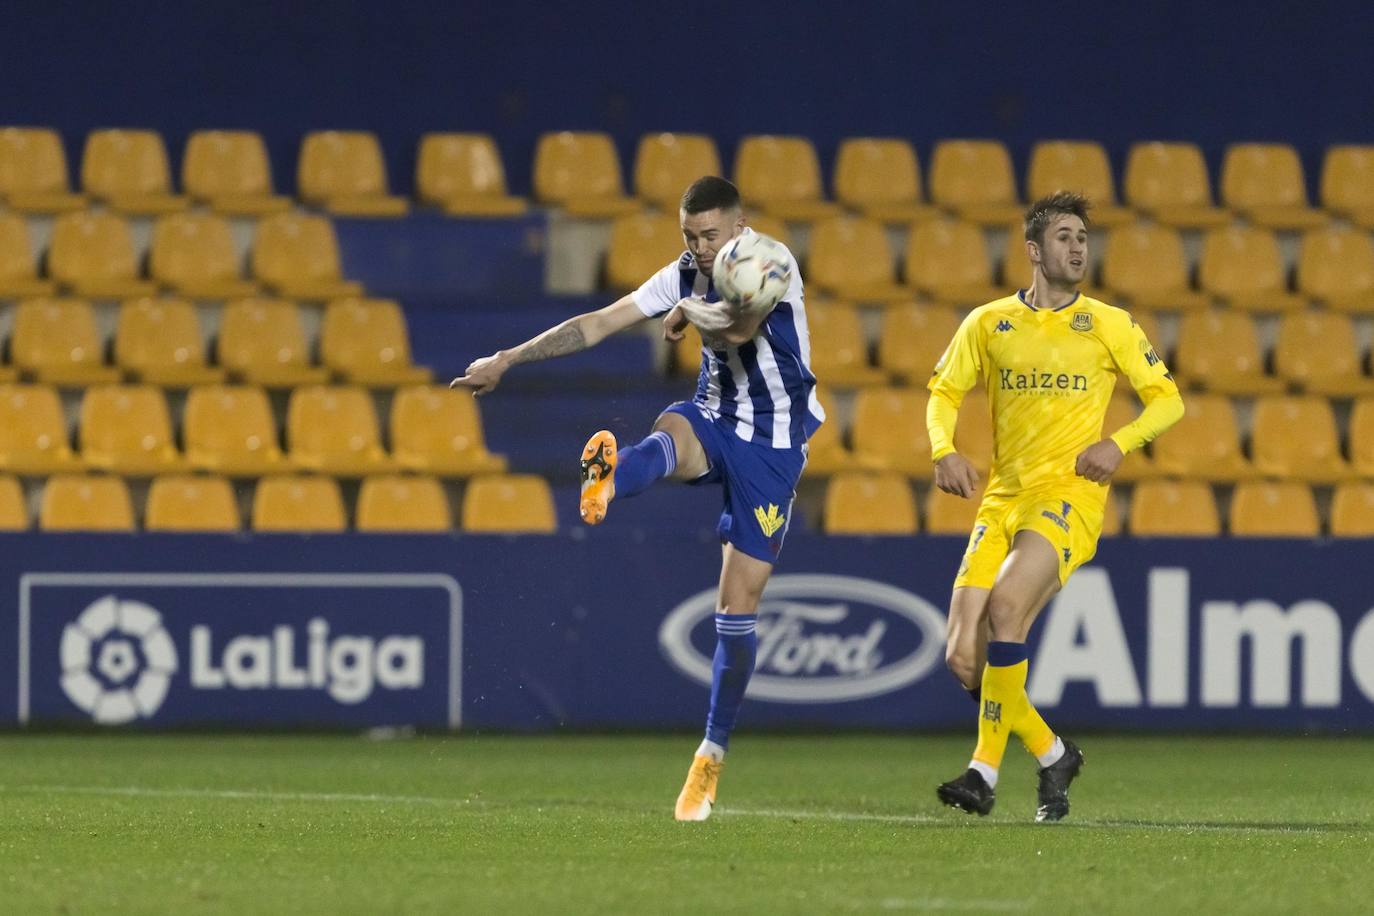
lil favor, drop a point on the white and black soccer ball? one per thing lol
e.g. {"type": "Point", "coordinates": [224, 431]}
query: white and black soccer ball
{"type": "Point", "coordinates": [752, 273]}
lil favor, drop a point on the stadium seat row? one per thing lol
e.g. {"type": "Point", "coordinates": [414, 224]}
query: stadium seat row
{"type": "Point", "coordinates": [92, 253]}
{"type": "Point", "coordinates": [230, 429]}
{"type": "Point", "coordinates": [1293, 438]}
{"type": "Point", "coordinates": [1217, 350]}
{"type": "Point", "coordinates": [1143, 265]}
{"type": "Point", "coordinates": [505, 503]}
{"type": "Point", "coordinates": [883, 503]}
{"type": "Point", "coordinates": [260, 341]}
{"type": "Point", "coordinates": [344, 172]}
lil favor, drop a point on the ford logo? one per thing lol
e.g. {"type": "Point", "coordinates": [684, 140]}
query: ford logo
{"type": "Point", "coordinates": [822, 639]}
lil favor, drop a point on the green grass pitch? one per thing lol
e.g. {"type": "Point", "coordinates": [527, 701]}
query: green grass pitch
{"type": "Point", "coordinates": [474, 824]}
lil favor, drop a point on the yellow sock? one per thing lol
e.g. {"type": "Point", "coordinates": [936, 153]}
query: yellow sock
{"type": "Point", "coordinates": [1004, 688]}
{"type": "Point", "coordinates": [1031, 728]}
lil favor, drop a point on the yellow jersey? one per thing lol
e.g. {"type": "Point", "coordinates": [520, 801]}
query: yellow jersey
{"type": "Point", "coordinates": [1049, 375]}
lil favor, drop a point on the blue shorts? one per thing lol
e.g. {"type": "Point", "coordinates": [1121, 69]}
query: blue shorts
{"type": "Point", "coordinates": [759, 482]}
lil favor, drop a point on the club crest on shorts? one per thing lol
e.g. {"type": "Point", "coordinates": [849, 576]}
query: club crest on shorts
{"type": "Point", "coordinates": [1082, 321]}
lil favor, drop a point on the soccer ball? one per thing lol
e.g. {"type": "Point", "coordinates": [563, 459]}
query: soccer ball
{"type": "Point", "coordinates": [752, 273]}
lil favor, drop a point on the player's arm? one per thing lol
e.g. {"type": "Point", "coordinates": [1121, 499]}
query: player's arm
{"type": "Point", "coordinates": [577, 333]}
{"type": "Point", "coordinates": [1138, 361]}
{"type": "Point", "coordinates": [956, 372]}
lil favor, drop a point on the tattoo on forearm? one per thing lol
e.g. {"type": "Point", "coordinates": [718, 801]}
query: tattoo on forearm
{"type": "Point", "coordinates": [558, 342]}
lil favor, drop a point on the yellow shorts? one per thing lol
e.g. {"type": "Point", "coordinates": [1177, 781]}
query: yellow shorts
{"type": "Point", "coordinates": [1069, 516]}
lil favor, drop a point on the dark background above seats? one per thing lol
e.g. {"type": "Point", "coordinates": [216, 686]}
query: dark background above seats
{"type": "Point", "coordinates": [1173, 69]}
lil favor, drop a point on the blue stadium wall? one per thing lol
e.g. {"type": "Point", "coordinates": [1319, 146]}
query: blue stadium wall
{"type": "Point", "coordinates": [1213, 73]}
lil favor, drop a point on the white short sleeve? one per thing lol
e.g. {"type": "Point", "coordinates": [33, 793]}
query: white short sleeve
{"type": "Point", "coordinates": [659, 293]}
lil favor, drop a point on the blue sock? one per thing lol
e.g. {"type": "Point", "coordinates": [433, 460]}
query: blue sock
{"type": "Point", "coordinates": [642, 464]}
{"type": "Point", "coordinates": [736, 646]}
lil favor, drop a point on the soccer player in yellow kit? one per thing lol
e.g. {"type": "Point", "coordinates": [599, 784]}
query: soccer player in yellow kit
{"type": "Point", "coordinates": [1049, 357]}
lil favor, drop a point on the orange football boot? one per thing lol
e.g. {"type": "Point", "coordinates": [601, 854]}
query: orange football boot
{"type": "Point", "coordinates": [698, 794]}
{"type": "Point", "coordinates": [598, 476]}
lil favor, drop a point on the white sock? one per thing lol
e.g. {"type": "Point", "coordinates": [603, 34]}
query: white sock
{"type": "Point", "coordinates": [1051, 757]}
{"type": "Point", "coordinates": [988, 773]}
{"type": "Point", "coordinates": [712, 750]}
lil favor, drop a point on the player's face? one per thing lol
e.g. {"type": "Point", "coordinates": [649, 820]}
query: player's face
{"type": "Point", "coordinates": [705, 234]}
{"type": "Point", "coordinates": [1064, 252]}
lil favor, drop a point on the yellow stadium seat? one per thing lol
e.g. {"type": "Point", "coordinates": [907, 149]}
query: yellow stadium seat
{"type": "Point", "coordinates": [438, 430]}
{"type": "Point", "coordinates": [228, 429]}
{"type": "Point", "coordinates": [193, 254]}
{"type": "Point", "coordinates": [127, 429]}
{"type": "Point", "coordinates": [33, 431]}
{"type": "Point", "coordinates": [127, 169]}
{"type": "Point", "coordinates": [509, 503]}
{"type": "Point", "coordinates": [948, 262]}
{"type": "Point", "coordinates": [343, 171]}
{"type": "Point", "coordinates": [463, 174]}
{"type": "Point", "coordinates": [580, 172]}
{"type": "Point", "coordinates": [228, 169]}
{"type": "Point", "coordinates": [92, 254]}
{"type": "Point", "coordinates": [890, 431]}
{"type": "Point", "coordinates": [861, 503]}
{"type": "Point", "coordinates": [1264, 182]}
{"type": "Point", "coordinates": [949, 514]}
{"type": "Point", "coordinates": [880, 179]}
{"type": "Point", "coordinates": [333, 428]}
{"type": "Point", "coordinates": [1082, 166]}
{"type": "Point", "coordinates": [1241, 265]}
{"type": "Point", "coordinates": [18, 276]}
{"type": "Point", "coordinates": [1336, 267]}
{"type": "Point", "coordinates": [973, 431]}
{"type": "Point", "coordinates": [1204, 444]}
{"type": "Point", "coordinates": [1317, 353]}
{"type": "Point", "coordinates": [782, 176]}
{"type": "Point", "coordinates": [1361, 430]}
{"type": "Point", "coordinates": [401, 503]}
{"type": "Point", "coordinates": [297, 255]}
{"type": "Point", "coordinates": [1122, 409]}
{"type": "Point", "coordinates": [189, 502]}
{"type": "Point", "coordinates": [1174, 508]}
{"type": "Point", "coordinates": [666, 163]}
{"type": "Point", "coordinates": [159, 341]}
{"type": "Point", "coordinates": [641, 245]}
{"type": "Point", "coordinates": [974, 179]}
{"type": "Point", "coordinates": [1347, 184]}
{"type": "Point", "coordinates": [1112, 524]}
{"type": "Point", "coordinates": [85, 502]}
{"type": "Point", "coordinates": [826, 451]}
{"type": "Point", "coordinates": [1352, 510]}
{"type": "Point", "coordinates": [839, 352]}
{"type": "Point", "coordinates": [913, 339]}
{"type": "Point", "coordinates": [365, 342]}
{"type": "Point", "coordinates": [1169, 182]}
{"type": "Point", "coordinates": [1295, 438]}
{"type": "Point", "coordinates": [1218, 351]}
{"type": "Point", "coordinates": [1145, 265]}
{"type": "Point", "coordinates": [55, 340]}
{"type": "Point", "coordinates": [33, 172]}
{"type": "Point", "coordinates": [14, 510]}
{"type": "Point", "coordinates": [261, 341]}
{"type": "Point", "coordinates": [850, 258]}
{"type": "Point", "coordinates": [770, 226]}
{"type": "Point", "coordinates": [298, 503]}
{"type": "Point", "coordinates": [1264, 508]}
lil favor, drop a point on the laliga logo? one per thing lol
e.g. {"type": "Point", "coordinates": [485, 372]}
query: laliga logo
{"type": "Point", "coordinates": [806, 654]}
{"type": "Point", "coordinates": [117, 661]}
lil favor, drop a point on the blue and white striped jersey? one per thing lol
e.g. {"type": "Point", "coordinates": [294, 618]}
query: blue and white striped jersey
{"type": "Point", "coordinates": [764, 389]}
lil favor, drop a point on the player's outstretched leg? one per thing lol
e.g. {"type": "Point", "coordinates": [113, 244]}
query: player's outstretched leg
{"type": "Point", "coordinates": [1054, 783]}
{"type": "Point", "coordinates": [608, 473]}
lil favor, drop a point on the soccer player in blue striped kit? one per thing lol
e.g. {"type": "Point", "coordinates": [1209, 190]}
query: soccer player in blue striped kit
{"type": "Point", "coordinates": [746, 429]}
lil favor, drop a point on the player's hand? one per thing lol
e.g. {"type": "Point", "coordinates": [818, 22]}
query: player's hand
{"type": "Point", "coordinates": [482, 375]}
{"type": "Point", "coordinates": [1099, 461]}
{"type": "Point", "coordinates": [675, 324]}
{"type": "Point", "coordinates": [954, 474]}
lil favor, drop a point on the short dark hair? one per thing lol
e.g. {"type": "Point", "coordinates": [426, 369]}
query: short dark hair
{"type": "Point", "coordinates": [710, 193]}
{"type": "Point", "coordinates": [1044, 210]}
